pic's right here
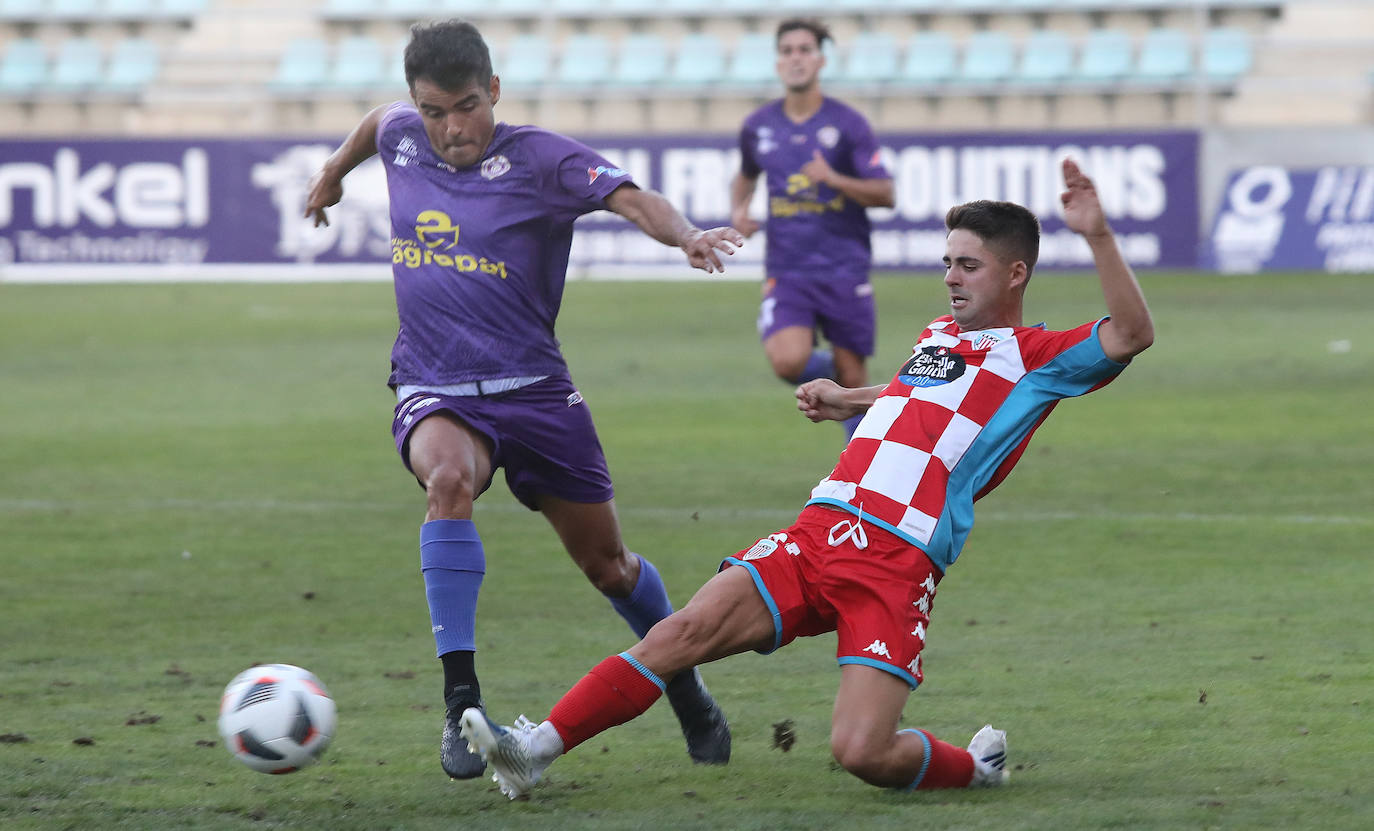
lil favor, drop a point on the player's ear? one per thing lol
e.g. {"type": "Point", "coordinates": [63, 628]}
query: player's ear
{"type": "Point", "coordinates": [1019, 275]}
{"type": "Point", "coordinates": [495, 89]}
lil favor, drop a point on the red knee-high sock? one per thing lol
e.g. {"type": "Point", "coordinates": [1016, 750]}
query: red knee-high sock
{"type": "Point", "coordinates": [946, 766]}
{"type": "Point", "coordinates": [614, 692]}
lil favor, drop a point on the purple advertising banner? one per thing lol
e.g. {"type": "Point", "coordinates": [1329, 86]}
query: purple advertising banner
{"type": "Point", "coordinates": [1274, 217]}
{"type": "Point", "coordinates": [187, 202]}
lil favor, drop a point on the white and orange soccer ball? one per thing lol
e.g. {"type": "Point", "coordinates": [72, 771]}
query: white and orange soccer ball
{"type": "Point", "coordinates": [276, 718]}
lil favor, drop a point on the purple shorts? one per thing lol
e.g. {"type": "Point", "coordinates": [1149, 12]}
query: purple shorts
{"type": "Point", "coordinates": [541, 434]}
{"type": "Point", "coordinates": [840, 306]}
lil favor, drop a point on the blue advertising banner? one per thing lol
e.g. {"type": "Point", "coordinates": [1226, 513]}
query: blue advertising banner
{"type": "Point", "coordinates": [1282, 218]}
{"type": "Point", "coordinates": [189, 202]}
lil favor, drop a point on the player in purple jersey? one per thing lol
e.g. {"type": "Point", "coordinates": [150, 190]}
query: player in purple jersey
{"type": "Point", "coordinates": [822, 164]}
{"type": "Point", "coordinates": [482, 218]}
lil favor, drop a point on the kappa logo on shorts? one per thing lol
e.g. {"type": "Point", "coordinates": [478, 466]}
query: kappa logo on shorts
{"type": "Point", "coordinates": [878, 648]}
{"type": "Point", "coordinates": [574, 399]}
{"type": "Point", "coordinates": [932, 366]}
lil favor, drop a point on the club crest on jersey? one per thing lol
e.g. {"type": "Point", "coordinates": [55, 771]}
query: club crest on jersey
{"type": "Point", "coordinates": [495, 166]}
{"type": "Point", "coordinates": [766, 144]}
{"type": "Point", "coordinates": [594, 173]}
{"type": "Point", "coordinates": [435, 229]}
{"type": "Point", "coordinates": [932, 366]}
{"type": "Point", "coordinates": [828, 136]}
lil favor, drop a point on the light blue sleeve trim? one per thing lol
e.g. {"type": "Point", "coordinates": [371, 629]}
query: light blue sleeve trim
{"type": "Point", "coordinates": [645, 671]}
{"type": "Point", "coordinates": [869, 662]}
{"type": "Point", "coordinates": [767, 600]}
{"type": "Point", "coordinates": [925, 763]}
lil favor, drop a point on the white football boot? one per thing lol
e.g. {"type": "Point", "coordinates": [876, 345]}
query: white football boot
{"type": "Point", "coordinates": [989, 751]}
{"type": "Point", "coordinates": [516, 766]}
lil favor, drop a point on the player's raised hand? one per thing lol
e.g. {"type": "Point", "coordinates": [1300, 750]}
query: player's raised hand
{"type": "Point", "coordinates": [703, 248]}
{"type": "Point", "coordinates": [1082, 209]}
{"type": "Point", "coordinates": [323, 191]}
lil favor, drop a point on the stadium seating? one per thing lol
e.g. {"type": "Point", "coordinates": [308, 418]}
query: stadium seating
{"type": "Point", "coordinates": [753, 60]}
{"type": "Point", "coordinates": [24, 67]}
{"type": "Point", "coordinates": [989, 57]}
{"type": "Point", "coordinates": [1165, 55]}
{"type": "Point", "coordinates": [304, 66]}
{"type": "Point", "coordinates": [134, 65]}
{"type": "Point", "coordinates": [78, 67]}
{"type": "Point", "coordinates": [641, 61]}
{"type": "Point", "coordinates": [526, 61]}
{"type": "Point", "coordinates": [872, 58]}
{"type": "Point", "coordinates": [1225, 55]}
{"type": "Point", "coordinates": [359, 64]}
{"type": "Point", "coordinates": [700, 60]}
{"type": "Point", "coordinates": [1106, 57]}
{"type": "Point", "coordinates": [1047, 58]}
{"type": "Point", "coordinates": [584, 61]}
{"type": "Point", "coordinates": [930, 59]}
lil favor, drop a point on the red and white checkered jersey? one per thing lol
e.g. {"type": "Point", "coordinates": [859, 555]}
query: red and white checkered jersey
{"type": "Point", "coordinates": [952, 424]}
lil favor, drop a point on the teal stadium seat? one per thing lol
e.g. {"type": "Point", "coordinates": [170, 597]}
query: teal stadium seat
{"type": "Point", "coordinates": [873, 58]}
{"type": "Point", "coordinates": [1226, 55]}
{"type": "Point", "coordinates": [23, 11]}
{"type": "Point", "coordinates": [754, 60]}
{"type": "Point", "coordinates": [929, 59]}
{"type": "Point", "coordinates": [304, 66]}
{"type": "Point", "coordinates": [1165, 55]}
{"type": "Point", "coordinates": [130, 10]}
{"type": "Point", "coordinates": [526, 62]}
{"type": "Point", "coordinates": [134, 65]}
{"type": "Point", "coordinates": [989, 57]}
{"type": "Point", "coordinates": [1046, 58]}
{"type": "Point", "coordinates": [73, 10]}
{"type": "Point", "coordinates": [700, 60]}
{"type": "Point", "coordinates": [182, 10]}
{"type": "Point", "coordinates": [1104, 58]}
{"type": "Point", "coordinates": [24, 67]}
{"type": "Point", "coordinates": [359, 64]}
{"type": "Point", "coordinates": [584, 61]}
{"type": "Point", "coordinates": [641, 61]}
{"type": "Point", "coordinates": [79, 66]}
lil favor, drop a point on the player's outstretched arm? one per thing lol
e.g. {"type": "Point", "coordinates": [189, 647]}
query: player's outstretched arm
{"type": "Point", "coordinates": [1130, 330]}
{"type": "Point", "coordinates": [326, 186]}
{"type": "Point", "coordinates": [825, 400]}
{"type": "Point", "coordinates": [741, 194]}
{"type": "Point", "coordinates": [657, 217]}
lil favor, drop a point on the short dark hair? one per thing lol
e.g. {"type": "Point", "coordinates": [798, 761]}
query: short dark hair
{"type": "Point", "coordinates": [1006, 228]}
{"type": "Point", "coordinates": [450, 53]}
{"type": "Point", "coordinates": [809, 24]}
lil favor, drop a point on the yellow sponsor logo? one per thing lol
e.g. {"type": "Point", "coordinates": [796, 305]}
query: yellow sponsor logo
{"type": "Point", "coordinates": [782, 207]}
{"type": "Point", "coordinates": [436, 234]}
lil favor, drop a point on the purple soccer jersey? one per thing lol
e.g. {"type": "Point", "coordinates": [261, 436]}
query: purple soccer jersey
{"type": "Point", "coordinates": [480, 254]}
{"type": "Point", "coordinates": [812, 227]}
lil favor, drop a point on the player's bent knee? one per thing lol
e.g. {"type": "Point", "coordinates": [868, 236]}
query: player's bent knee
{"type": "Point", "coordinates": [609, 573]}
{"type": "Point", "coordinates": [450, 490]}
{"type": "Point", "coordinates": [860, 758]}
{"type": "Point", "coordinates": [684, 635]}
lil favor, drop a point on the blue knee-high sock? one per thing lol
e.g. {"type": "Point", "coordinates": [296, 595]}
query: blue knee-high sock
{"type": "Point", "coordinates": [821, 364]}
{"type": "Point", "coordinates": [647, 604]}
{"type": "Point", "coordinates": [452, 562]}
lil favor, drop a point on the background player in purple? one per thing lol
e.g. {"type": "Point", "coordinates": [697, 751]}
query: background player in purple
{"type": "Point", "coordinates": [482, 220]}
{"type": "Point", "coordinates": [866, 554]}
{"type": "Point", "coordinates": [823, 169]}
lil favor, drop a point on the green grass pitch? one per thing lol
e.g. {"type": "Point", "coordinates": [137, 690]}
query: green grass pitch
{"type": "Point", "coordinates": [1168, 606]}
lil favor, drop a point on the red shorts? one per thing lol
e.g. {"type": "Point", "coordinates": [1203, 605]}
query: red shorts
{"type": "Point", "coordinates": [828, 572]}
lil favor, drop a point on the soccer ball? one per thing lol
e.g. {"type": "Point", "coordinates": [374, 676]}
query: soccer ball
{"type": "Point", "coordinates": [276, 718]}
